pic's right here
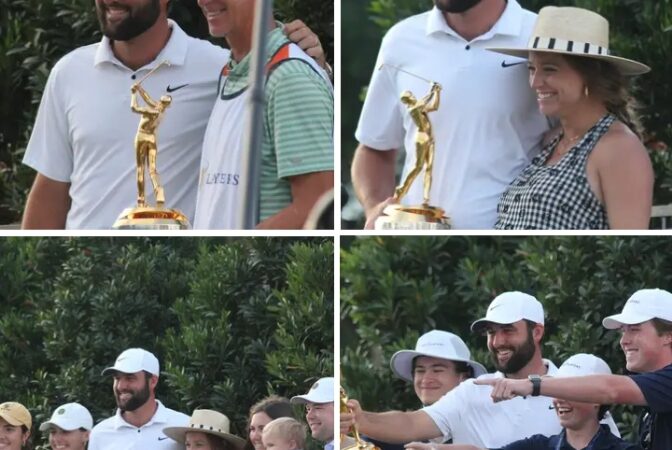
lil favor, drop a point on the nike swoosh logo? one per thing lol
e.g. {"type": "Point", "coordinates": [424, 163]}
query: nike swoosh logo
{"type": "Point", "coordinates": [173, 89]}
{"type": "Point", "coordinates": [163, 438]}
{"type": "Point", "coordinates": [505, 65]}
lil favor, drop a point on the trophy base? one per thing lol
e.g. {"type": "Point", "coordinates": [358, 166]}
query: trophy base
{"type": "Point", "coordinates": [151, 218]}
{"type": "Point", "coordinates": [421, 217]}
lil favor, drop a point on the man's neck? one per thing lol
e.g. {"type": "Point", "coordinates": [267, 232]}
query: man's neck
{"type": "Point", "coordinates": [241, 42]}
{"type": "Point", "coordinates": [476, 21]}
{"type": "Point", "coordinates": [143, 49]}
{"type": "Point", "coordinates": [580, 438]}
{"type": "Point", "coordinates": [143, 414]}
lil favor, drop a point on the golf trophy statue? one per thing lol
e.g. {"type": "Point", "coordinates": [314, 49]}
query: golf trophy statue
{"type": "Point", "coordinates": [145, 216]}
{"type": "Point", "coordinates": [424, 216]}
{"type": "Point", "coordinates": [348, 443]}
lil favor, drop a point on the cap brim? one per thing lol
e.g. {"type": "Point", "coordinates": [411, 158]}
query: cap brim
{"type": "Point", "coordinates": [302, 399]}
{"type": "Point", "coordinates": [478, 325]}
{"type": "Point", "coordinates": [617, 320]}
{"type": "Point", "coordinates": [401, 363]}
{"type": "Point", "coordinates": [179, 434]}
{"type": "Point", "coordinates": [10, 420]}
{"type": "Point", "coordinates": [626, 66]}
{"type": "Point", "coordinates": [63, 426]}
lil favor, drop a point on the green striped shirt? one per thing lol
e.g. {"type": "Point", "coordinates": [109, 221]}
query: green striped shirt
{"type": "Point", "coordinates": [298, 124]}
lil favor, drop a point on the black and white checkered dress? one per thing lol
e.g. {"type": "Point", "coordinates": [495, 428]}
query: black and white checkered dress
{"type": "Point", "coordinates": [555, 197]}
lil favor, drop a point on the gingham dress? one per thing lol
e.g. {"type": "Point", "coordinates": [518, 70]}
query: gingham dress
{"type": "Point", "coordinates": [555, 197]}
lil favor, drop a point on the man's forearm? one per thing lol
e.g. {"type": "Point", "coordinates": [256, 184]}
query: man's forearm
{"type": "Point", "coordinates": [373, 175]}
{"type": "Point", "coordinates": [600, 389]}
{"type": "Point", "coordinates": [398, 427]}
{"type": "Point", "coordinates": [291, 217]}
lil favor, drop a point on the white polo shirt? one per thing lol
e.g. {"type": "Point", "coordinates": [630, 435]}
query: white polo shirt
{"type": "Point", "coordinates": [488, 125]}
{"type": "Point", "coordinates": [115, 433]}
{"type": "Point", "coordinates": [468, 415]}
{"type": "Point", "coordinates": [85, 130]}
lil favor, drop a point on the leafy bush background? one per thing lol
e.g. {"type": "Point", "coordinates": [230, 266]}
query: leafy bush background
{"type": "Point", "coordinates": [395, 288]}
{"type": "Point", "coordinates": [34, 34]}
{"type": "Point", "coordinates": [230, 319]}
{"type": "Point", "coordinates": [640, 30]}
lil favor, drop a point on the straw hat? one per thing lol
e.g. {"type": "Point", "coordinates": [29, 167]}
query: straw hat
{"type": "Point", "coordinates": [209, 422]}
{"type": "Point", "coordinates": [573, 31]}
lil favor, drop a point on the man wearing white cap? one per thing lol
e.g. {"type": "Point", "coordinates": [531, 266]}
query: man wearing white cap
{"type": "Point", "coordinates": [646, 340]}
{"type": "Point", "coordinates": [319, 403]}
{"type": "Point", "coordinates": [140, 418]}
{"type": "Point", "coordinates": [580, 421]}
{"type": "Point", "coordinates": [514, 325]}
{"type": "Point", "coordinates": [69, 427]}
{"type": "Point", "coordinates": [440, 361]}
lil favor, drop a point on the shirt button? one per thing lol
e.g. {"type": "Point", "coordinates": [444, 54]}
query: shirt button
{"type": "Point", "coordinates": [133, 77]}
{"type": "Point", "coordinates": [467, 47]}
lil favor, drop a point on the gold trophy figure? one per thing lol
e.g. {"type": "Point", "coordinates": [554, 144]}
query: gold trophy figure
{"type": "Point", "coordinates": [145, 216]}
{"type": "Point", "coordinates": [424, 216]}
{"type": "Point", "coordinates": [348, 443]}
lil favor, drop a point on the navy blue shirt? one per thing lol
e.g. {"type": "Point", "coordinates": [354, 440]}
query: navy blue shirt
{"type": "Point", "coordinates": [655, 426]}
{"type": "Point", "coordinates": [603, 440]}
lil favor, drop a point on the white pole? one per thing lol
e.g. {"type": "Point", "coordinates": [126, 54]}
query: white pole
{"type": "Point", "coordinates": [251, 164]}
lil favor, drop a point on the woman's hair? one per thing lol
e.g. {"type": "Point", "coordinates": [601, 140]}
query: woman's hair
{"type": "Point", "coordinates": [606, 82]}
{"type": "Point", "coordinates": [274, 407]}
{"type": "Point", "coordinates": [29, 441]}
{"type": "Point", "coordinates": [288, 429]}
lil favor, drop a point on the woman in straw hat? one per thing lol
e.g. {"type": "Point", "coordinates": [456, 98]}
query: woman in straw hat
{"type": "Point", "coordinates": [593, 171]}
{"type": "Point", "coordinates": [263, 412]}
{"type": "Point", "coordinates": [207, 430]}
{"type": "Point", "coordinates": [15, 425]}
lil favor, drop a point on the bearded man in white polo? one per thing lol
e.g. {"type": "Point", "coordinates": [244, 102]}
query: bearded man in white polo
{"type": "Point", "coordinates": [140, 418]}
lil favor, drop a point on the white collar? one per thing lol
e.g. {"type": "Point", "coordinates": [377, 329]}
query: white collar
{"type": "Point", "coordinates": [160, 416]}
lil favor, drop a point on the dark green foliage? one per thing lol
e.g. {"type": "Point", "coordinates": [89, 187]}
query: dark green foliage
{"type": "Point", "coordinates": [35, 34]}
{"type": "Point", "coordinates": [230, 319]}
{"type": "Point", "coordinates": [394, 289]}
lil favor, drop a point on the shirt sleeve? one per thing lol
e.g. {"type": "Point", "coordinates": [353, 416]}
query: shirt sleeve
{"type": "Point", "coordinates": [657, 389]}
{"type": "Point", "coordinates": [49, 149]}
{"type": "Point", "coordinates": [300, 118]}
{"type": "Point", "coordinates": [381, 124]}
{"type": "Point", "coordinates": [446, 412]}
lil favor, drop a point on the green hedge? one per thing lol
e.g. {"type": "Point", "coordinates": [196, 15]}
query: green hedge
{"type": "Point", "coordinates": [230, 319]}
{"type": "Point", "coordinates": [34, 34]}
{"type": "Point", "coordinates": [394, 289]}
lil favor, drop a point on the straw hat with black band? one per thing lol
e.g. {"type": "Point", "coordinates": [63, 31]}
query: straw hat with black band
{"type": "Point", "coordinates": [209, 422]}
{"type": "Point", "coordinates": [576, 32]}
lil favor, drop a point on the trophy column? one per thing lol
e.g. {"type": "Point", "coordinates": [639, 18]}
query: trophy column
{"type": "Point", "coordinates": [423, 216]}
{"type": "Point", "coordinates": [144, 216]}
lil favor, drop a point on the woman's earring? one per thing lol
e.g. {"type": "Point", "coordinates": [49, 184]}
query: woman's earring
{"type": "Point", "coordinates": [586, 92]}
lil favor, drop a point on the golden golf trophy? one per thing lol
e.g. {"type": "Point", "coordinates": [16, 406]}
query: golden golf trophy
{"type": "Point", "coordinates": [145, 216]}
{"type": "Point", "coordinates": [347, 442]}
{"type": "Point", "coordinates": [423, 216]}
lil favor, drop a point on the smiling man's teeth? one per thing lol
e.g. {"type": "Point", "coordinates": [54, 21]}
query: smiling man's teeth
{"type": "Point", "coordinates": [544, 95]}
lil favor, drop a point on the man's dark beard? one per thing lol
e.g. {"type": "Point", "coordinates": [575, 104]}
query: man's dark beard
{"type": "Point", "coordinates": [519, 359]}
{"type": "Point", "coordinates": [455, 6]}
{"type": "Point", "coordinates": [137, 398]}
{"type": "Point", "coordinates": [138, 21]}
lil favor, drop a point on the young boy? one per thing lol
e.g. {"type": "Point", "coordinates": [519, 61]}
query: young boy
{"type": "Point", "coordinates": [284, 433]}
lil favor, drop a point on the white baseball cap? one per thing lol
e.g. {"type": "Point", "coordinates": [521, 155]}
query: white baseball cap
{"type": "Point", "coordinates": [322, 391]}
{"type": "Point", "coordinates": [436, 344]}
{"type": "Point", "coordinates": [68, 417]}
{"type": "Point", "coordinates": [643, 305]}
{"type": "Point", "coordinates": [583, 364]}
{"type": "Point", "coordinates": [135, 360]}
{"type": "Point", "coordinates": [510, 307]}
